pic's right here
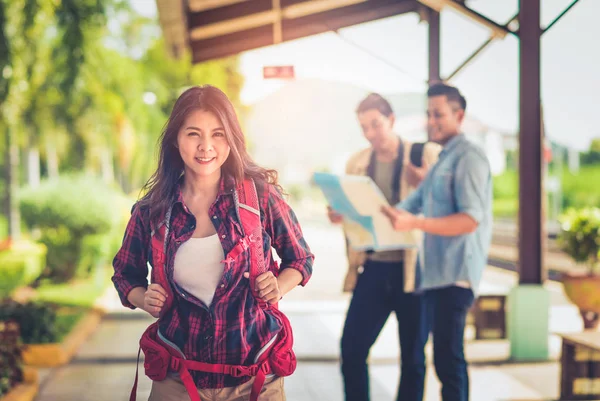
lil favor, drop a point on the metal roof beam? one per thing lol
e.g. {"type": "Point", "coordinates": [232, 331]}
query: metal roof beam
{"type": "Point", "coordinates": [559, 16]}
{"type": "Point", "coordinates": [498, 31]}
{"type": "Point", "coordinates": [479, 50]}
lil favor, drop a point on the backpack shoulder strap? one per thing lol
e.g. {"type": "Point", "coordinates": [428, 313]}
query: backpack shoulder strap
{"type": "Point", "coordinates": [416, 153]}
{"type": "Point", "coordinates": [398, 165]}
{"type": "Point", "coordinates": [158, 240]}
{"type": "Point", "coordinates": [249, 213]}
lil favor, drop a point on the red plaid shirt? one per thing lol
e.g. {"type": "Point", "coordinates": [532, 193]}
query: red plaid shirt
{"type": "Point", "coordinates": [234, 328]}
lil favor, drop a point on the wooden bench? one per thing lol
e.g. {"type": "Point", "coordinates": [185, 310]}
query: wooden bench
{"type": "Point", "coordinates": [488, 315]}
{"type": "Point", "coordinates": [580, 366]}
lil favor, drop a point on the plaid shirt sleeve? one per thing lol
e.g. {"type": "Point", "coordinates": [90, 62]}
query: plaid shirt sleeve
{"type": "Point", "coordinates": [130, 263]}
{"type": "Point", "coordinates": [284, 229]}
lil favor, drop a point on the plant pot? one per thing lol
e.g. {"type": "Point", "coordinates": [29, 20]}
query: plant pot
{"type": "Point", "coordinates": [584, 292]}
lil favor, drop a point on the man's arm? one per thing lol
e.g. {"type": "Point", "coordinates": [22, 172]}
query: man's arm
{"type": "Point", "coordinates": [472, 178]}
{"type": "Point", "coordinates": [448, 226]}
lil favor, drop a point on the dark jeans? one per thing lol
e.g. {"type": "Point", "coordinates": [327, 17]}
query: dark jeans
{"type": "Point", "coordinates": [379, 291]}
{"type": "Point", "coordinates": [447, 312]}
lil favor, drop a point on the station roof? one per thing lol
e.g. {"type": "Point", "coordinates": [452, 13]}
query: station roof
{"type": "Point", "coordinates": [213, 29]}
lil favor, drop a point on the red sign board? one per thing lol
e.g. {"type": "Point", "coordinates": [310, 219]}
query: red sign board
{"type": "Point", "coordinates": [279, 72]}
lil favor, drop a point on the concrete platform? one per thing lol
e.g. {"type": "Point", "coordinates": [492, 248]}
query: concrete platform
{"type": "Point", "coordinates": [104, 368]}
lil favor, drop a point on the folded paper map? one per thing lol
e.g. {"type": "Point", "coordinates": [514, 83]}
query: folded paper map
{"type": "Point", "coordinates": [359, 200]}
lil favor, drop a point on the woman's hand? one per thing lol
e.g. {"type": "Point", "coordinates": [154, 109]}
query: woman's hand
{"type": "Point", "coordinates": [267, 287]}
{"type": "Point", "coordinates": [154, 299]}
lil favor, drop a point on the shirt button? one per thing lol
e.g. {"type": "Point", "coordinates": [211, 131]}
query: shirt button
{"type": "Point", "coordinates": [223, 236]}
{"type": "Point", "coordinates": [214, 217]}
{"type": "Point", "coordinates": [222, 285]}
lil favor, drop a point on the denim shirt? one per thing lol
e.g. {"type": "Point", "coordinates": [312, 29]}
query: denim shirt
{"type": "Point", "coordinates": [460, 182]}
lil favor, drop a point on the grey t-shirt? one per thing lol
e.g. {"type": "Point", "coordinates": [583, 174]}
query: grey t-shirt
{"type": "Point", "coordinates": [384, 174]}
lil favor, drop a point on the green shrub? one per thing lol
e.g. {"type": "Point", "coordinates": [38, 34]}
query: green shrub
{"type": "Point", "coordinates": [99, 250]}
{"type": "Point", "coordinates": [37, 321]}
{"type": "Point", "coordinates": [68, 211]}
{"type": "Point", "coordinates": [20, 265]}
{"type": "Point", "coordinates": [80, 203]}
{"type": "Point", "coordinates": [40, 323]}
{"type": "Point", "coordinates": [81, 293]}
{"type": "Point", "coordinates": [580, 235]}
{"type": "Point", "coordinates": [11, 360]}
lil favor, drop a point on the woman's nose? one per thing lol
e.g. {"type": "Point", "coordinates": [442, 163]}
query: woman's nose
{"type": "Point", "coordinates": [204, 144]}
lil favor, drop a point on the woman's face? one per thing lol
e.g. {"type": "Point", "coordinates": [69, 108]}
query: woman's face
{"type": "Point", "coordinates": [202, 144]}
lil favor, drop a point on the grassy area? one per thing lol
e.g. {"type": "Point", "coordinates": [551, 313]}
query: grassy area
{"type": "Point", "coordinates": [65, 321]}
{"type": "Point", "coordinates": [578, 190]}
{"type": "Point", "coordinates": [581, 189]}
{"type": "Point", "coordinates": [77, 293]}
{"type": "Point", "coordinates": [505, 208]}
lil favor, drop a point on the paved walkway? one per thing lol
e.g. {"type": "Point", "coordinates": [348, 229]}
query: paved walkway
{"type": "Point", "coordinates": [105, 365]}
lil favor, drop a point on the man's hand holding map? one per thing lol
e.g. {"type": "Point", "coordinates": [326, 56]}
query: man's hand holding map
{"type": "Point", "coordinates": [359, 200]}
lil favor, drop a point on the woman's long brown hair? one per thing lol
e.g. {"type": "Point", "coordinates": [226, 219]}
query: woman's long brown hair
{"type": "Point", "coordinates": [161, 188]}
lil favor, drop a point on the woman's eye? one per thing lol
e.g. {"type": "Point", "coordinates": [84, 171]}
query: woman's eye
{"type": "Point", "coordinates": [219, 134]}
{"type": "Point", "coordinates": [193, 134]}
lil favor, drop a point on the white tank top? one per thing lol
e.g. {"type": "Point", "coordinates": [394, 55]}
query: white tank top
{"type": "Point", "coordinates": [198, 268]}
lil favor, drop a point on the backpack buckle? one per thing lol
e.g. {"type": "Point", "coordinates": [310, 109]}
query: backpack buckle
{"type": "Point", "coordinates": [175, 364]}
{"type": "Point", "coordinates": [239, 371]}
{"type": "Point", "coordinates": [265, 367]}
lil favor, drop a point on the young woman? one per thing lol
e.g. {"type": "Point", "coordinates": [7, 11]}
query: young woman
{"type": "Point", "coordinates": [209, 310]}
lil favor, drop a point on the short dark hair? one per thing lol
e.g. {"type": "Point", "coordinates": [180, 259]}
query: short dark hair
{"type": "Point", "coordinates": [375, 102]}
{"type": "Point", "coordinates": [451, 93]}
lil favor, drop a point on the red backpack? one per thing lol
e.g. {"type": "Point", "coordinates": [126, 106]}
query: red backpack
{"type": "Point", "coordinates": [160, 356]}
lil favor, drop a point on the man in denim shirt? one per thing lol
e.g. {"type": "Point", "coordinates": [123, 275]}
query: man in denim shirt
{"type": "Point", "coordinates": [453, 206]}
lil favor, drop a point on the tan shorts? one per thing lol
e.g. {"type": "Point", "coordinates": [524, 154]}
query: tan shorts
{"type": "Point", "coordinates": [172, 389]}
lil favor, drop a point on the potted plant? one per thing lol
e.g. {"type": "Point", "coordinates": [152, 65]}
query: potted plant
{"type": "Point", "coordinates": [580, 239]}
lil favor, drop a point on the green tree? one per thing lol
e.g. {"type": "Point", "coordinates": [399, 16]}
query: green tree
{"type": "Point", "coordinates": [80, 93]}
{"type": "Point", "coordinates": [42, 51]}
{"type": "Point", "coordinates": [592, 156]}
{"type": "Point", "coordinates": [7, 145]}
